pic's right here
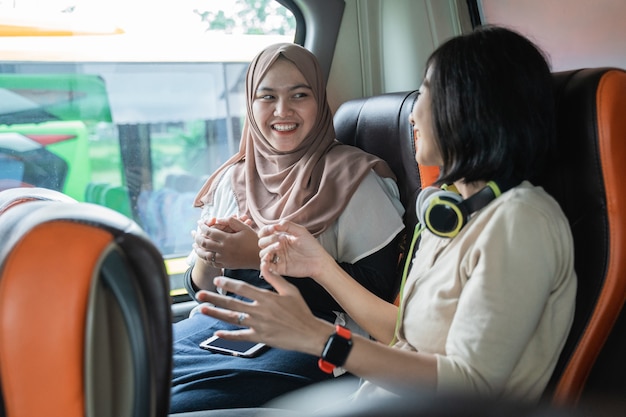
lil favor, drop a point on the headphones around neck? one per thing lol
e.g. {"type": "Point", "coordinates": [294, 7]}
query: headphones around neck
{"type": "Point", "coordinates": [444, 212]}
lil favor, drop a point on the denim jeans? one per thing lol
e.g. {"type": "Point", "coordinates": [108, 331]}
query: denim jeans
{"type": "Point", "coordinates": [203, 380]}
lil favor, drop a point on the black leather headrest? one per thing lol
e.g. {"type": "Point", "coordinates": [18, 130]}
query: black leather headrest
{"type": "Point", "coordinates": [380, 125]}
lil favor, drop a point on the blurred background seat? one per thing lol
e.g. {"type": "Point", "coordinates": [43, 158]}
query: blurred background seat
{"type": "Point", "coordinates": [85, 321]}
{"type": "Point", "coordinates": [13, 196]}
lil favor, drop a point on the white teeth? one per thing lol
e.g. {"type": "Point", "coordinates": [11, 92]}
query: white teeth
{"type": "Point", "coordinates": [284, 128]}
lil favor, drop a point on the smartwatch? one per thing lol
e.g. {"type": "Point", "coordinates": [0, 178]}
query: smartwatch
{"type": "Point", "coordinates": [336, 350]}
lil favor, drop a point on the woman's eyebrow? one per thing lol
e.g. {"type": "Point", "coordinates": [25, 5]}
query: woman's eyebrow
{"type": "Point", "coordinates": [294, 87]}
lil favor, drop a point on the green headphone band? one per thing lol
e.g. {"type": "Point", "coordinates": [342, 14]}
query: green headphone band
{"type": "Point", "coordinates": [405, 272]}
{"type": "Point", "coordinates": [495, 188]}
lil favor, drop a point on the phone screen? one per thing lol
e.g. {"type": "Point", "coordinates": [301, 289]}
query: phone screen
{"type": "Point", "coordinates": [233, 347]}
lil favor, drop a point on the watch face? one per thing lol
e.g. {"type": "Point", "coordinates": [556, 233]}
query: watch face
{"type": "Point", "coordinates": [336, 350]}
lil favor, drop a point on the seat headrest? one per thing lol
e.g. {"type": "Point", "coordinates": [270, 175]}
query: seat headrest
{"type": "Point", "coordinates": [380, 125]}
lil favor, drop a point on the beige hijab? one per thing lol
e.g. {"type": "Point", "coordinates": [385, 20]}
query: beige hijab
{"type": "Point", "coordinates": [310, 185]}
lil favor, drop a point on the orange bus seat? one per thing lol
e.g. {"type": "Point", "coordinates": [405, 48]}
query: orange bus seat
{"type": "Point", "coordinates": [85, 315]}
{"type": "Point", "coordinates": [586, 179]}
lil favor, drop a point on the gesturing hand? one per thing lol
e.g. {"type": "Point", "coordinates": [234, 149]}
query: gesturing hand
{"type": "Point", "coordinates": [280, 319]}
{"type": "Point", "coordinates": [291, 250]}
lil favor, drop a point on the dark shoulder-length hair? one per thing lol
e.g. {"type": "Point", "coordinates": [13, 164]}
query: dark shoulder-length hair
{"type": "Point", "coordinates": [492, 106]}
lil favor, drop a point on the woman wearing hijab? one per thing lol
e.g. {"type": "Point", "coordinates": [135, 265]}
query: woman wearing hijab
{"type": "Point", "coordinates": [289, 166]}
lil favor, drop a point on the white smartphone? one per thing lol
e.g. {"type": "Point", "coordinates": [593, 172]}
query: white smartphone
{"type": "Point", "coordinates": [233, 347]}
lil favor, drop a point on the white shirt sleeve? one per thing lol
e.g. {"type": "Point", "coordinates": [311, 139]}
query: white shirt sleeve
{"type": "Point", "coordinates": [372, 219]}
{"type": "Point", "coordinates": [224, 205]}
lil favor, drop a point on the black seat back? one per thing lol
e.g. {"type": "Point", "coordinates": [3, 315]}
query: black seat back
{"type": "Point", "coordinates": [380, 125]}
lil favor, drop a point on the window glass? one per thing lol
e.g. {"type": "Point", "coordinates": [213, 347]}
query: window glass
{"type": "Point", "coordinates": [129, 104]}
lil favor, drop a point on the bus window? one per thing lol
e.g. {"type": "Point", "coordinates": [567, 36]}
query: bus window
{"type": "Point", "coordinates": [130, 105]}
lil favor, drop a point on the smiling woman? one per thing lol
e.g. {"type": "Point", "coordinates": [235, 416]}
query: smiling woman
{"type": "Point", "coordinates": [289, 165]}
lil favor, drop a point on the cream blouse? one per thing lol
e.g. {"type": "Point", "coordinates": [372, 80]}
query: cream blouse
{"type": "Point", "coordinates": [495, 303]}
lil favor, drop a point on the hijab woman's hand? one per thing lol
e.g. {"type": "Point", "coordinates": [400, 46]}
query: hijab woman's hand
{"type": "Point", "coordinates": [231, 242]}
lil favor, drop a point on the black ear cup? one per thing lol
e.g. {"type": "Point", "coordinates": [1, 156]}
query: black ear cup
{"type": "Point", "coordinates": [444, 212]}
{"type": "Point", "coordinates": [441, 211]}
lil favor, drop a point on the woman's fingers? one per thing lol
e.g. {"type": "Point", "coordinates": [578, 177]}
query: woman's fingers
{"type": "Point", "coordinates": [229, 316]}
{"type": "Point", "coordinates": [281, 319]}
{"type": "Point", "coordinates": [269, 250]}
{"type": "Point", "coordinates": [234, 286]}
{"type": "Point", "coordinates": [284, 226]}
{"type": "Point", "coordinates": [226, 315]}
{"type": "Point", "coordinates": [225, 308]}
{"type": "Point", "coordinates": [233, 310]}
{"type": "Point", "coordinates": [231, 224]}
{"type": "Point", "coordinates": [246, 333]}
{"type": "Point", "coordinates": [281, 285]}
{"type": "Point", "coordinates": [291, 250]}
{"type": "Point", "coordinates": [211, 239]}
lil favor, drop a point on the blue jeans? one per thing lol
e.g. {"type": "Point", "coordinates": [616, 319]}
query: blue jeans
{"type": "Point", "coordinates": [203, 380]}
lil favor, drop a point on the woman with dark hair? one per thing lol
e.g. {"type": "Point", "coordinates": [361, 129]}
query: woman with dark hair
{"type": "Point", "coordinates": [499, 110]}
{"type": "Point", "coordinates": [289, 165]}
{"type": "Point", "coordinates": [489, 299]}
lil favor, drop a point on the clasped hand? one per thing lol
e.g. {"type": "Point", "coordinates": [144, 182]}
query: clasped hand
{"type": "Point", "coordinates": [226, 243]}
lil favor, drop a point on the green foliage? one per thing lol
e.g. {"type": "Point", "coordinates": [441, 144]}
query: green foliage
{"type": "Point", "coordinates": [251, 17]}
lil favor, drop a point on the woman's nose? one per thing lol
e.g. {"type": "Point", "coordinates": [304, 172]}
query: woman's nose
{"type": "Point", "coordinates": [282, 108]}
